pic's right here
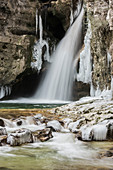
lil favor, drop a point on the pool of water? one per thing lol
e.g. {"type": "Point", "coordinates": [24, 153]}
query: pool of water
{"type": "Point", "coordinates": [27, 106]}
{"type": "Point", "coordinates": [24, 103]}
{"type": "Point", "coordinates": [62, 152]}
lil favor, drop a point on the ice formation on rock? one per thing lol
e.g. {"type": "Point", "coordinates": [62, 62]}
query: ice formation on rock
{"type": "Point", "coordinates": [85, 68]}
{"type": "Point", "coordinates": [38, 47]}
{"type": "Point", "coordinates": [108, 58]}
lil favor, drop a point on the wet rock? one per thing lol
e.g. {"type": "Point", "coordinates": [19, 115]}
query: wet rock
{"type": "Point", "coordinates": [3, 140]}
{"type": "Point", "coordinates": [110, 131]}
{"type": "Point", "coordinates": [78, 135]}
{"type": "Point", "coordinates": [29, 120]}
{"type": "Point", "coordinates": [8, 123]}
{"type": "Point", "coordinates": [108, 154]}
{"type": "Point", "coordinates": [3, 131]}
{"type": "Point", "coordinates": [19, 122]}
{"type": "Point", "coordinates": [2, 123]}
{"type": "Point", "coordinates": [44, 120]}
{"type": "Point", "coordinates": [42, 135]}
{"type": "Point", "coordinates": [55, 125]}
{"type": "Point", "coordinates": [20, 137]}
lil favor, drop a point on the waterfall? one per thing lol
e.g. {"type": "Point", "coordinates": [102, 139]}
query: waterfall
{"type": "Point", "coordinates": [57, 84]}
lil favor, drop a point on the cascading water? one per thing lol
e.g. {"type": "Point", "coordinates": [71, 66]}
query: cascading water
{"type": "Point", "coordinates": [57, 84]}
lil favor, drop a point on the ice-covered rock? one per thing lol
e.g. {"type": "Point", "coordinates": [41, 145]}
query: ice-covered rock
{"type": "Point", "coordinates": [3, 131]}
{"type": "Point", "coordinates": [20, 137]}
{"type": "Point", "coordinates": [55, 125]}
{"type": "Point", "coordinates": [74, 126]}
{"type": "Point", "coordinates": [67, 121]}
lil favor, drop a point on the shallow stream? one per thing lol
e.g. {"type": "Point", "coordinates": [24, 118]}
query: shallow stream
{"type": "Point", "coordinates": [61, 152]}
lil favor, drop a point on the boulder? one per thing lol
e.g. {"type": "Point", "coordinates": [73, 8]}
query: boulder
{"type": "Point", "coordinates": [2, 123]}
{"type": "Point", "coordinates": [20, 137]}
{"type": "Point", "coordinates": [42, 135]}
{"type": "Point", "coordinates": [3, 140]}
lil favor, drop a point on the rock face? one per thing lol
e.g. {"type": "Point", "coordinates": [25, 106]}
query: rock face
{"type": "Point", "coordinates": [17, 31]}
{"type": "Point", "coordinates": [100, 14]}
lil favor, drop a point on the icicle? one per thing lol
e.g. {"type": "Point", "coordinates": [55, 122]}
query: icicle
{"type": "Point", "coordinates": [95, 132]}
{"type": "Point", "coordinates": [4, 91]}
{"type": "Point", "coordinates": [108, 58]}
{"type": "Point", "coordinates": [92, 90]}
{"type": "Point", "coordinates": [99, 132]}
{"type": "Point", "coordinates": [71, 15]}
{"type": "Point", "coordinates": [36, 21]}
{"type": "Point", "coordinates": [84, 74]}
{"type": "Point", "coordinates": [76, 13]}
{"type": "Point", "coordinates": [41, 29]}
{"type": "Point", "coordinates": [38, 47]}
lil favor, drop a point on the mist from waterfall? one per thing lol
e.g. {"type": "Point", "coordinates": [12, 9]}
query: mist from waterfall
{"type": "Point", "coordinates": [57, 84]}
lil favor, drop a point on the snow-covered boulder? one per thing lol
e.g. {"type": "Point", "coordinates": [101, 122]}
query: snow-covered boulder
{"type": "Point", "coordinates": [55, 125]}
{"type": "Point", "coordinates": [20, 137]}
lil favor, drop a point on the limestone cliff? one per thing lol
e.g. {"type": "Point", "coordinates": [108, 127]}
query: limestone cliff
{"type": "Point", "coordinates": [100, 14]}
{"type": "Point", "coordinates": [17, 30]}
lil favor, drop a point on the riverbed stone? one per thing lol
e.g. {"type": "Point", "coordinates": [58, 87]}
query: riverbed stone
{"type": "Point", "coordinates": [20, 137]}
{"type": "Point", "coordinates": [2, 123]}
{"type": "Point", "coordinates": [42, 135]}
{"type": "Point", "coordinates": [3, 140]}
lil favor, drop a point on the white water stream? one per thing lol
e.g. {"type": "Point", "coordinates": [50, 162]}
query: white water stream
{"type": "Point", "coordinates": [58, 81]}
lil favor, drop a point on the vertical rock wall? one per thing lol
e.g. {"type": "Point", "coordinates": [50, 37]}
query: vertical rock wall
{"type": "Point", "coordinates": [100, 14]}
{"type": "Point", "coordinates": [17, 30]}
